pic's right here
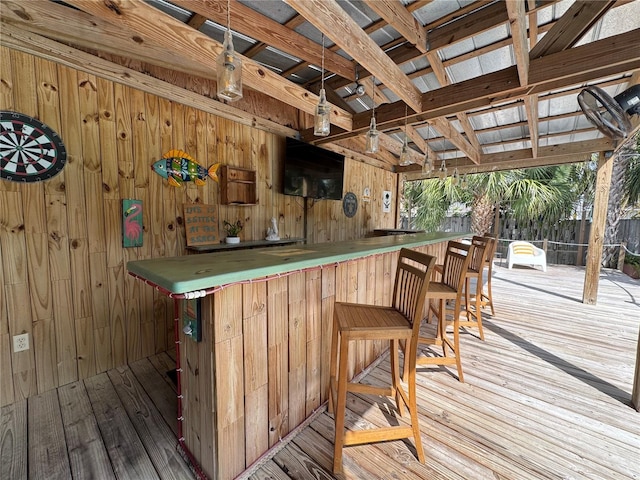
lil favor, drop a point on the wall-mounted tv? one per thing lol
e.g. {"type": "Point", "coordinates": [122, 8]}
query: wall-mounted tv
{"type": "Point", "coordinates": [311, 171]}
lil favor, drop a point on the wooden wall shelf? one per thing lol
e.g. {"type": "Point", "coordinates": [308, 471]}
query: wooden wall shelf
{"type": "Point", "coordinates": [237, 186]}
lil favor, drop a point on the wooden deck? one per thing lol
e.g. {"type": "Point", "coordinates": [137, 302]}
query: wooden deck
{"type": "Point", "coordinates": [546, 396]}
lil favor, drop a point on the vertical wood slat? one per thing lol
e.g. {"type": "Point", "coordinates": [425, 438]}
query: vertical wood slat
{"type": "Point", "coordinates": [256, 379]}
{"type": "Point", "coordinates": [277, 333]}
{"type": "Point", "coordinates": [297, 338]}
{"type": "Point", "coordinates": [229, 381]}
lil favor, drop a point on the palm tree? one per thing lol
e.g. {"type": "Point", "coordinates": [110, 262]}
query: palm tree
{"type": "Point", "coordinates": [528, 194]}
{"type": "Point", "coordinates": [624, 190]}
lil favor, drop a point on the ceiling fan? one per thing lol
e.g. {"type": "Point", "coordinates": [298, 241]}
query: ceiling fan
{"type": "Point", "coordinates": [609, 114]}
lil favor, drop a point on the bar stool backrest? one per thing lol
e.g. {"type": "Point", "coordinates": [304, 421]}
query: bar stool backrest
{"type": "Point", "coordinates": [456, 263]}
{"type": "Point", "coordinates": [411, 283]}
{"type": "Point", "coordinates": [479, 253]}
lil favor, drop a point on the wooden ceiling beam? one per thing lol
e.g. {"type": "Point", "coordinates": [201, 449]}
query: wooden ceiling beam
{"type": "Point", "coordinates": [571, 27]}
{"type": "Point", "coordinates": [180, 39]}
{"type": "Point", "coordinates": [21, 40]}
{"type": "Point", "coordinates": [76, 27]}
{"type": "Point", "coordinates": [395, 147]}
{"type": "Point", "coordinates": [519, 159]}
{"type": "Point", "coordinates": [291, 24]}
{"type": "Point", "coordinates": [196, 21]}
{"type": "Point", "coordinates": [406, 24]}
{"type": "Point", "coordinates": [255, 25]}
{"type": "Point", "coordinates": [330, 18]}
{"type": "Point", "coordinates": [518, 26]}
{"type": "Point", "coordinates": [606, 57]}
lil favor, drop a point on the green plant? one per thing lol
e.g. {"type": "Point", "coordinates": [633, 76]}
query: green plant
{"type": "Point", "coordinates": [632, 260]}
{"type": "Point", "coordinates": [233, 229]}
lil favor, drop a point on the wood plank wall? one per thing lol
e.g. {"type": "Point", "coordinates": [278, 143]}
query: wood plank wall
{"type": "Point", "coordinates": [265, 355]}
{"type": "Point", "coordinates": [63, 274]}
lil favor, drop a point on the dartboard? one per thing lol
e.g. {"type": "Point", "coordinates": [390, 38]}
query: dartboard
{"type": "Point", "coordinates": [29, 150]}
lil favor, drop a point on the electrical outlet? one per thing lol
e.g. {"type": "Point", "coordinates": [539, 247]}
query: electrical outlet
{"type": "Point", "coordinates": [20, 342]}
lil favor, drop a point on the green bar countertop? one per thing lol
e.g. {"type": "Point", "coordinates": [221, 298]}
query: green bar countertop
{"type": "Point", "coordinates": [191, 273]}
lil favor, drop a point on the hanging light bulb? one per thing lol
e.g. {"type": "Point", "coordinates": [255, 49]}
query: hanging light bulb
{"type": "Point", "coordinates": [455, 178]}
{"type": "Point", "coordinates": [229, 67]}
{"type": "Point", "coordinates": [427, 166]}
{"type": "Point", "coordinates": [373, 135]}
{"type": "Point", "coordinates": [464, 182]}
{"type": "Point", "coordinates": [442, 173]}
{"type": "Point", "coordinates": [405, 158]}
{"type": "Point", "coordinates": [322, 123]}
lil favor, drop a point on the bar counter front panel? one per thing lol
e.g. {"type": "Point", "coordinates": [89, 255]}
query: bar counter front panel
{"type": "Point", "coordinates": [262, 367]}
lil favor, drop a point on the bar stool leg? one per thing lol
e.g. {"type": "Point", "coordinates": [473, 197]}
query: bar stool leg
{"type": "Point", "coordinates": [456, 341]}
{"type": "Point", "coordinates": [334, 366]}
{"type": "Point", "coordinates": [479, 306]}
{"type": "Point", "coordinates": [341, 406]}
{"type": "Point", "coordinates": [413, 406]}
{"type": "Point", "coordinates": [395, 374]}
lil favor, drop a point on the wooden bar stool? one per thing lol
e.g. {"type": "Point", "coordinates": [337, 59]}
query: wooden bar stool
{"type": "Point", "coordinates": [486, 299]}
{"type": "Point", "coordinates": [475, 271]}
{"type": "Point", "coordinates": [401, 321]}
{"type": "Point", "coordinates": [450, 289]}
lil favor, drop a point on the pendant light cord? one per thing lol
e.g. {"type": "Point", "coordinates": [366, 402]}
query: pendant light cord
{"type": "Point", "coordinates": [322, 69]}
{"type": "Point", "coordinates": [229, 15]}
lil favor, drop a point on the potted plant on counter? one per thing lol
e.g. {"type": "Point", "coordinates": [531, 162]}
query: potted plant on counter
{"type": "Point", "coordinates": [232, 230]}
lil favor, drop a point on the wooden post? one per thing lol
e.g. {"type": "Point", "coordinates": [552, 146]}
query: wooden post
{"type": "Point", "coordinates": [635, 396]}
{"type": "Point", "coordinates": [544, 245]}
{"type": "Point", "coordinates": [596, 235]}
{"type": "Point", "coordinates": [621, 255]}
{"type": "Point", "coordinates": [583, 227]}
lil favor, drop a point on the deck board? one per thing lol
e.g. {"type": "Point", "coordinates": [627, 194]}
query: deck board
{"type": "Point", "coordinates": [87, 452]}
{"type": "Point", "coordinates": [546, 396]}
{"type": "Point", "coordinates": [48, 456]}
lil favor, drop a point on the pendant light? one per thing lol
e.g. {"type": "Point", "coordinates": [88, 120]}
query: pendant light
{"type": "Point", "coordinates": [322, 124]}
{"type": "Point", "coordinates": [464, 182]}
{"type": "Point", "coordinates": [373, 135]}
{"type": "Point", "coordinates": [442, 173]}
{"type": "Point", "coordinates": [405, 158]}
{"type": "Point", "coordinates": [455, 178]}
{"type": "Point", "coordinates": [427, 166]}
{"type": "Point", "coordinates": [229, 67]}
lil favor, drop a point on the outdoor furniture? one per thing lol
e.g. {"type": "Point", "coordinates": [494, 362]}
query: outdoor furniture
{"type": "Point", "coordinates": [525, 253]}
{"type": "Point", "coordinates": [450, 289]}
{"type": "Point", "coordinates": [486, 298]}
{"type": "Point", "coordinates": [401, 321]}
{"type": "Point", "coordinates": [475, 271]}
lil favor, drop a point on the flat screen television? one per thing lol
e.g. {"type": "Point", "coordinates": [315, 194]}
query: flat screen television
{"type": "Point", "coordinates": [311, 171]}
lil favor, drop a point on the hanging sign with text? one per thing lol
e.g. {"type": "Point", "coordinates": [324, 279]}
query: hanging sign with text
{"type": "Point", "coordinates": [201, 224]}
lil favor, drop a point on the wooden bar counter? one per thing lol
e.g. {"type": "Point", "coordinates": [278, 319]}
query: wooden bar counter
{"type": "Point", "coordinates": [262, 366]}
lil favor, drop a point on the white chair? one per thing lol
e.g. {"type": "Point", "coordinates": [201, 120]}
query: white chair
{"type": "Point", "coordinates": [525, 253]}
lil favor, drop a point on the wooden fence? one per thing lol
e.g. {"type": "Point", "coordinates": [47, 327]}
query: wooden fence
{"type": "Point", "coordinates": [566, 241]}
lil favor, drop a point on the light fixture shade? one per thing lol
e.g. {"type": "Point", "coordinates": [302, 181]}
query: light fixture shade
{"type": "Point", "coordinates": [322, 123]}
{"type": "Point", "coordinates": [229, 67]}
{"type": "Point", "coordinates": [405, 158]}
{"type": "Point", "coordinates": [464, 183]}
{"type": "Point", "coordinates": [427, 166]}
{"type": "Point", "coordinates": [455, 178]}
{"type": "Point", "coordinates": [442, 173]}
{"type": "Point", "coordinates": [373, 137]}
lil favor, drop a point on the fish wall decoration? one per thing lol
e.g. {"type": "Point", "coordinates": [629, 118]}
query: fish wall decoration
{"type": "Point", "coordinates": [178, 167]}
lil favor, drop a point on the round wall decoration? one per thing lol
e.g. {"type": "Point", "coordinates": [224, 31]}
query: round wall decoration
{"type": "Point", "coordinates": [350, 204]}
{"type": "Point", "coordinates": [30, 151]}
